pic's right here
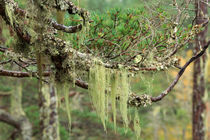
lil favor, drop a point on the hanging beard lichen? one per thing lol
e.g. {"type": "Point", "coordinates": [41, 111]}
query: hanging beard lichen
{"type": "Point", "coordinates": [136, 125]}
{"type": "Point", "coordinates": [103, 82]}
{"type": "Point", "coordinates": [123, 93]}
{"type": "Point", "coordinates": [63, 91]}
{"type": "Point", "coordinates": [114, 85]}
{"type": "Point", "coordinates": [97, 86]}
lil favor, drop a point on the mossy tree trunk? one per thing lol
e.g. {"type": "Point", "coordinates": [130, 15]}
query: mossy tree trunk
{"type": "Point", "coordinates": [54, 121]}
{"type": "Point", "coordinates": [199, 75]}
{"type": "Point", "coordinates": [18, 113]}
{"type": "Point", "coordinates": [49, 125]}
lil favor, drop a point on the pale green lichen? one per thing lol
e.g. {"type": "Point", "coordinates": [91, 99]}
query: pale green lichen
{"type": "Point", "coordinates": [114, 86]}
{"type": "Point", "coordinates": [138, 59]}
{"type": "Point", "coordinates": [103, 82]}
{"type": "Point", "coordinates": [123, 94]}
{"type": "Point", "coordinates": [136, 125]}
{"type": "Point", "coordinates": [97, 86]}
{"type": "Point", "coordinates": [63, 91]}
{"type": "Point", "coordinates": [139, 100]}
{"type": "Point", "coordinates": [9, 13]}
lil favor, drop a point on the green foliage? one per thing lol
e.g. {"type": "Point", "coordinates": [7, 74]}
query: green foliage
{"type": "Point", "coordinates": [5, 88]}
{"type": "Point", "coordinates": [32, 112]}
{"type": "Point", "coordinates": [86, 116]}
{"type": "Point", "coordinates": [64, 134]}
{"type": "Point", "coordinates": [121, 34]}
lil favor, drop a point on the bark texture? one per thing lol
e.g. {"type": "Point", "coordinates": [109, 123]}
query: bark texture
{"type": "Point", "coordinates": [199, 107]}
{"type": "Point", "coordinates": [49, 124]}
{"type": "Point", "coordinates": [17, 111]}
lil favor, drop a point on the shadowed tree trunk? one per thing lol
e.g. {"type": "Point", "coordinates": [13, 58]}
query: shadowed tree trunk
{"type": "Point", "coordinates": [199, 74]}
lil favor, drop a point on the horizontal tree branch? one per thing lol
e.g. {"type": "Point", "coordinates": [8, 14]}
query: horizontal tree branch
{"type": "Point", "coordinates": [67, 29]}
{"type": "Point", "coordinates": [135, 98]}
{"type": "Point", "coordinates": [9, 119]}
{"type": "Point", "coordinates": [21, 123]}
{"type": "Point", "coordinates": [19, 74]}
{"type": "Point", "coordinates": [84, 85]}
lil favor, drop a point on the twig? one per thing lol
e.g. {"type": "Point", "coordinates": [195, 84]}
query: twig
{"type": "Point", "coordinates": [164, 93]}
{"type": "Point", "coordinates": [67, 29]}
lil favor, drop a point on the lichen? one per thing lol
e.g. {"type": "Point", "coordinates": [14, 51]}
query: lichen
{"type": "Point", "coordinates": [63, 91]}
{"type": "Point", "coordinates": [114, 86]}
{"type": "Point", "coordinates": [97, 86]}
{"type": "Point", "coordinates": [104, 83]}
{"type": "Point", "coordinates": [123, 94]}
{"type": "Point", "coordinates": [137, 101]}
{"type": "Point", "coordinates": [9, 13]}
{"type": "Point", "coordinates": [136, 125]}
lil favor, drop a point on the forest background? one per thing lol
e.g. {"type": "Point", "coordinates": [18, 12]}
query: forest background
{"type": "Point", "coordinates": [167, 120]}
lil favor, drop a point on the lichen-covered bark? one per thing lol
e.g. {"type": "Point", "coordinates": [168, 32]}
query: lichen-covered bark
{"type": "Point", "coordinates": [54, 121]}
{"type": "Point", "coordinates": [2, 40]}
{"type": "Point", "coordinates": [49, 125]}
{"type": "Point", "coordinates": [44, 103]}
{"type": "Point", "coordinates": [199, 75]}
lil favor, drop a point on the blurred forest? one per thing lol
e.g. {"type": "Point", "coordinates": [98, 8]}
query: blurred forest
{"type": "Point", "coordinates": [170, 119]}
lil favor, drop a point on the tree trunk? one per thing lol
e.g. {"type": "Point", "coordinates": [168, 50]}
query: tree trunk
{"type": "Point", "coordinates": [18, 113]}
{"type": "Point", "coordinates": [199, 75]}
{"type": "Point", "coordinates": [49, 125]}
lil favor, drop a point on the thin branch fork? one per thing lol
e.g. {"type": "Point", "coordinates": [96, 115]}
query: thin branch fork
{"type": "Point", "coordinates": [164, 93]}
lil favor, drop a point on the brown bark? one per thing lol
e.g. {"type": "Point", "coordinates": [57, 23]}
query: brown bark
{"type": "Point", "coordinates": [199, 75]}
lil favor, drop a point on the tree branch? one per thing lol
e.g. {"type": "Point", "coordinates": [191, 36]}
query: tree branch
{"type": "Point", "coordinates": [164, 93]}
{"type": "Point", "coordinates": [135, 98]}
{"type": "Point", "coordinates": [21, 123]}
{"type": "Point", "coordinates": [67, 29]}
{"type": "Point", "coordinates": [9, 119]}
{"type": "Point", "coordinates": [19, 74]}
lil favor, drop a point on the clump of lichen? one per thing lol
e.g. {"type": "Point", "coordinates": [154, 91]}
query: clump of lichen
{"type": "Point", "coordinates": [97, 87]}
{"type": "Point", "coordinates": [114, 84]}
{"type": "Point", "coordinates": [137, 101]}
{"type": "Point", "coordinates": [123, 96]}
{"type": "Point", "coordinates": [63, 91]}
